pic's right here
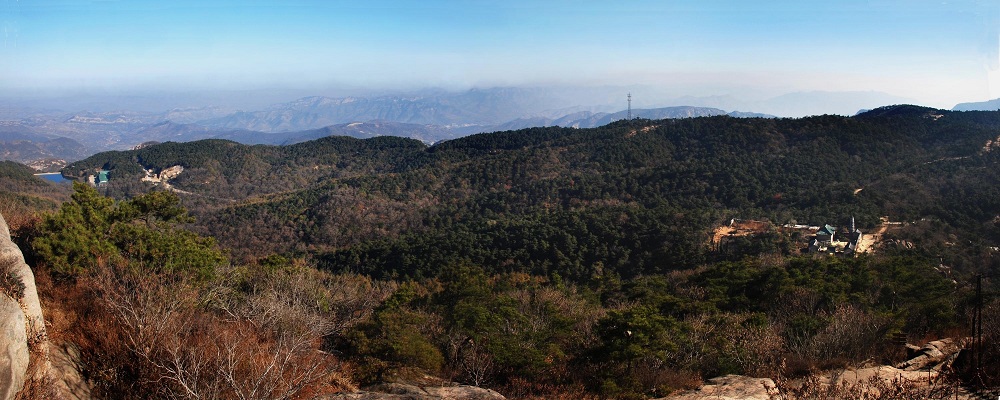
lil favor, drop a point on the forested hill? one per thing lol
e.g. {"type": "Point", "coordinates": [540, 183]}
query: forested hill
{"type": "Point", "coordinates": [634, 197]}
{"type": "Point", "coordinates": [21, 193]}
{"type": "Point", "coordinates": [234, 171]}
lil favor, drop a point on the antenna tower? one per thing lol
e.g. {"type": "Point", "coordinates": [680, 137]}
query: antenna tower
{"type": "Point", "coordinates": [629, 106]}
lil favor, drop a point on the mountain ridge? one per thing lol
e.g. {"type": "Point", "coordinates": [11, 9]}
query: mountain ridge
{"type": "Point", "coordinates": [429, 115]}
{"type": "Point", "coordinates": [124, 130]}
{"type": "Point", "coordinates": [989, 105]}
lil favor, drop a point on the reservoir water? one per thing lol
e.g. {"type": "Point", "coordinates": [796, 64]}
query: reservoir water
{"type": "Point", "coordinates": [54, 177]}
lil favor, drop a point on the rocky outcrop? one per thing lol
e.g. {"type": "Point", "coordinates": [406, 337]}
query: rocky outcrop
{"type": "Point", "coordinates": [65, 372]}
{"type": "Point", "coordinates": [164, 176]}
{"type": "Point", "coordinates": [14, 353]}
{"type": "Point", "coordinates": [730, 387]}
{"type": "Point", "coordinates": [400, 391]}
{"type": "Point", "coordinates": [887, 374]}
{"type": "Point", "coordinates": [933, 356]}
{"type": "Point", "coordinates": [923, 366]}
{"type": "Point", "coordinates": [22, 327]}
{"type": "Point", "coordinates": [12, 261]}
{"type": "Point", "coordinates": [917, 377]}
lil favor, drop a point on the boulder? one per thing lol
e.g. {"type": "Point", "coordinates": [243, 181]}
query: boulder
{"type": "Point", "coordinates": [400, 391]}
{"type": "Point", "coordinates": [22, 327]}
{"type": "Point", "coordinates": [730, 387]}
{"type": "Point", "coordinates": [884, 372]}
{"type": "Point", "coordinates": [934, 355]}
{"type": "Point", "coordinates": [464, 392]}
{"type": "Point", "coordinates": [14, 354]}
{"type": "Point", "coordinates": [65, 371]}
{"type": "Point", "coordinates": [11, 259]}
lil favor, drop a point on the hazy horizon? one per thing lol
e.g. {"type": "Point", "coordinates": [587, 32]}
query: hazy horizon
{"type": "Point", "coordinates": [571, 98]}
{"type": "Point", "coordinates": [256, 53]}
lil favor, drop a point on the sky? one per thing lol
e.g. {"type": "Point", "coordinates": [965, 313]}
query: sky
{"type": "Point", "coordinates": [937, 53]}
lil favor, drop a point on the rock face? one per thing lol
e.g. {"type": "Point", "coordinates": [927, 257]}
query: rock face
{"type": "Point", "coordinates": [65, 372]}
{"type": "Point", "coordinates": [915, 378]}
{"type": "Point", "coordinates": [21, 321]}
{"type": "Point", "coordinates": [730, 387]}
{"type": "Point", "coordinates": [399, 391]}
{"type": "Point", "coordinates": [934, 356]}
{"type": "Point", "coordinates": [13, 347]}
{"type": "Point", "coordinates": [11, 259]}
{"type": "Point", "coordinates": [886, 373]}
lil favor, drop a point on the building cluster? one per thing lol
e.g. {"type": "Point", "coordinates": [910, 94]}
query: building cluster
{"type": "Point", "coordinates": [101, 179]}
{"type": "Point", "coordinates": [829, 239]}
{"type": "Point", "coordinates": [826, 239]}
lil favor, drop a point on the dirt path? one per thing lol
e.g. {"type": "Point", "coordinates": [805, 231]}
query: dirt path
{"type": "Point", "coordinates": [869, 240]}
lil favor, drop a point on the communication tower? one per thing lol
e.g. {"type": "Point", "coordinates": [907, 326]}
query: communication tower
{"type": "Point", "coordinates": [629, 107]}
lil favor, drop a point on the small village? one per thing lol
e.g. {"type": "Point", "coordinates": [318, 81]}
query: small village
{"type": "Point", "coordinates": [845, 241]}
{"type": "Point", "coordinates": [100, 177]}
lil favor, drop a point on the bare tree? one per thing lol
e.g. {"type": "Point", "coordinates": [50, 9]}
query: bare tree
{"type": "Point", "coordinates": [188, 352]}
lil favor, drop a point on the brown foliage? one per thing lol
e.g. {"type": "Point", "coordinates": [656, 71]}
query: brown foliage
{"type": "Point", "coordinates": [989, 374]}
{"type": "Point", "coordinates": [710, 341]}
{"type": "Point", "coordinates": [150, 335]}
{"type": "Point", "coordinates": [296, 297]}
{"type": "Point", "coordinates": [520, 388]}
{"type": "Point", "coordinates": [38, 386]}
{"type": "Point", "coordinates": [851, 336]}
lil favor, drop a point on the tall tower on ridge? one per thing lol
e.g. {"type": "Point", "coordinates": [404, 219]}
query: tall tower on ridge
{"type": "Point", "coordinates": [629, 107]}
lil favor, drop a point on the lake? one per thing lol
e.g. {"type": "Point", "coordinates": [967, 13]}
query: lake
{"type": "Point", "coordinates": [54, 177]}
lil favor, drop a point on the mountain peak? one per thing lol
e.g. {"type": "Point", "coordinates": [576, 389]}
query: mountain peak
{"type": "Point", "coordinates": [899, 110]}
{"type": "Point", "coordinates": [990, 105]}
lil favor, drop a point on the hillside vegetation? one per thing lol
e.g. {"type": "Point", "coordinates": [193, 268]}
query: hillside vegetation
{"type": "Point", "coordinates": [554, 261]}
{"type": "Point", "coordinates": [22, 194]}
{"type": "Point", "coordinates": [637, 196]}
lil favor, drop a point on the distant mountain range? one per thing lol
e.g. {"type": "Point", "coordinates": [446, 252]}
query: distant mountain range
{"type": "Point", "coordinates": [429, 116]}
{"type": "Point", "coordinates": [25, 144]}
{"type": "Point", "coordinates": [169, 131]}
{"type": "Point", "coordinates": [428, 133]}
{"type": "Point", "coordinates": [991, 105]}
{"type": "Point", "coordinates": [586, 119]}
{"type": "Point", "coordinates": [462, 113]}
{"type": "Point", "coordinates": [472, 107]}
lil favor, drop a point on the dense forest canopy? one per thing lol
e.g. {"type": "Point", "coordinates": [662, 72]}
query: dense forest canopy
{"type": "Point", "coordinates": [637, 196]}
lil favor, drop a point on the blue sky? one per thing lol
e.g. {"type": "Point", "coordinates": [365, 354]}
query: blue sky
{"type": "Point", "coordinates": [935, 52]}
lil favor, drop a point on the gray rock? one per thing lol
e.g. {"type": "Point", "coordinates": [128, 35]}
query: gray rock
{"type": "Point", "coordinates": [730, 387]}
{"type": "Point", "coordinates": [14, 352]}
{"type": "Point", "coordinates": [464, 393]}
{"type": "Point", "coordinates": [22, 326]}
{"type": "Point", "coordinates": [399, 391]}
{"type": "Point", "coordinates": [932, 355]}
{"type": "Point", "coordinates": [12, 258]}
{"type": "Point", "coordinates": [884, 372]}
{"type": "Point", "coordinates": [65, 372]}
